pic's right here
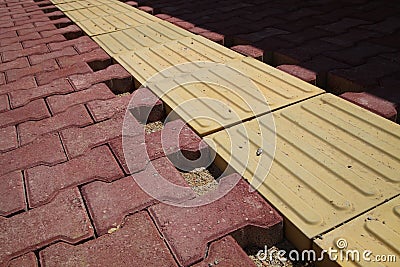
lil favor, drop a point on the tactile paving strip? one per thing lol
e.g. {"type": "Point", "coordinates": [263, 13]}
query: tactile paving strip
{"type": "Point", "coordinates": [82, 4]}
{"type": "Point", "coordinates": [220, 96]}
{"type": "Point", "coordinates": [147, 62]}
{"type": "Point", "coordinates": [98, 11]}
{"type": "Point", "coordinates": [377, 231]}
{"type": "Point", "coordinates": [135, 37]}
{"type": "Point", "coordinates": [333, 161]}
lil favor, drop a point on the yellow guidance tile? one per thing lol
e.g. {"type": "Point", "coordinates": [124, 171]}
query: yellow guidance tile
{"type": "Point", "coordinates": [116, 22]}
{"type": "Point", "coordinates": [218, 96]}
{"type": "Point", "coordinates": [57, 2]}
{"type": "Point", "coordinates": [82, 4]}
{"type": "Point", "coordinates": [333, 160]}
{"type": "Point", "coordinates": [137, 37]}
{"type": "Point", "coordinates": [377, 231]}
{"type": "Point", "coordinates": [98, 11]}
{"type": "Point", "coordinates": [148, 62]}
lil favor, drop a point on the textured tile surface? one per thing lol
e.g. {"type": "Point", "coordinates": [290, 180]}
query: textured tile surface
{"type": "Point", "coordinates": [333, 161]}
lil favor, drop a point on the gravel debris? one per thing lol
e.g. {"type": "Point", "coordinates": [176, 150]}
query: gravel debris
{"type": "Point", "coordinates": [200, 180]}
{"type": "Point", "coordinates": [123, 94]}
{"type": "Point", "coordinates": [273, 259]}
{"type": "Point", "coordinates": [153, 127]}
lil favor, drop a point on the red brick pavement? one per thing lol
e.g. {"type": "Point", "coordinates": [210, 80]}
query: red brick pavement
{"type": "Point", "coordinates": [67, 195]}
{"type": "Point", "coordinates": [352, 46]}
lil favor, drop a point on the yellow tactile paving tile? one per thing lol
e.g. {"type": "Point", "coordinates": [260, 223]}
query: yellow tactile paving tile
{"type": "Point", "coordinates": [138, 36]}
{"type": "Point", "coordinates": [98, 11]}
{"type": "Point", "coordinates": [82, 4]}
{"type": "Point", "coordinates": [116, 22]}
{"type": "Point", "coordinates": [150, 61]}
{"type": "Point", "coordinates": [377, 231]}
{"type": "Point", "coordinates": [220, 96]}
{"type": "Point", "coordinates": [333, 161]}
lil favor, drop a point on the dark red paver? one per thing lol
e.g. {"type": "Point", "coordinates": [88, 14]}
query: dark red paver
{"type": "Point", "coordinates": [109, 203]}
{"type": "Point", "coordinates": [35, 110]}
{"type": "Point", "coordinates": [226, 253]}
{"type": "Point", "coordinates": [64, 219]}
{"type": "Point", "coordinates": [137, 243]}
{"type": "Point", "coordinates": [189, 230]}
{"type": "Point", "coordinates": [9, 139]}
{"type": "Point", "coordinates": [46, 150]}
{"type": "Point", "coordinates": [28, 260]}
{"type": "Point", "coordinates": [12, 197]}
{"type": "Point", "coordinates": [43, 182]}
{"type": "Point", "coordinates": [72, 117]}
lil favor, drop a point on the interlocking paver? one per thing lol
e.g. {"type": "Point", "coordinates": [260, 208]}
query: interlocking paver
{"type": "Point", "coordinates": [109, 203]}
{"type": "Point", "coordinates": [174, 138]}
{"type": "Point", "coordinates": [72, 117]}
{"type": "Point", "coordinates": [46, 66]}
{"type": "Point", "coordinates": [9, 41]}
{"type": "Point", "coordinates": [35, 110]}
{"type": "Point", "coordinates": [8, 139]}
{"type": "Point", "coordinates": [4, 104]}
{"type": "Point", "coordinates": [51, 39]}
{"type": "Point", "coordinates": [200, 224]}
{"type": "Point", "coordinates": [97, 57]}
{"type": "Point", "coordinates": [225, 253]}
{"type": "Point", "coordinates": [36, 50]}
{"type": "Point", "coordinates": [29, 92]}
{"type": "Point", "coordinates": [78, 140]}
{"type": "Point", "coordinates": [299, 72]}
{"type": "Point", "coordinates": [375, 104]}
{"type": "Point", "coordinates": [143, 104]}
{"type": "Point", "coordinates": [28, 259]}
{"type": "Point", "coordinates": [70, 30]}
{"type": "Point", "coordinates": [68, 51]}
{"type": "Point", "coordinates": [79, 68]}
{"type": "Point", "coordinates": [15, 64]}
{"type": "Point", "coordinates": [60, 103]}
{"type": "Point", "coordinates": [137, 243]}
{"type": "Point", "coordinates": [110, 73]}
{"type": "Point", "coordinates": [11, 47]}
{"type": "Point", "coordinates": [63, 219]}
{"type": "Point", "coordinates": [51, 152]}
{"type": "Point", "coordinates": [74, 42]}
{"type": "Point", "coordinates": [44, 182]}
{"type": "Point", "coordinates": [12, 197]}
{"type": "Point", "coordinates": [46, 27]}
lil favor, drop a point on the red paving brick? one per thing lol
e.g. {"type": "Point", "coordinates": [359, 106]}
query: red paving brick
{"type": "Point", "coordinates": [12, 196]}
{"type": "Point", "coordinates": [72, 29]}
{"type": "Point", "coordinates": [4, 104]}
{"type": "Point", "coordinates": [60, 103]}
{"type": "Point", "coordinates": [15, 64]}
{"type": "Point", "coordinates": [28, 259]}
{"type": "Point", "coordinates": [188, 230]}
{"type": "Point", "coordinates": [23, 83]}
{"type": "Point", "coordinates": [36, 50]}
{"type": "Point", "coordinates": [35, 110]}
{"type": "Point", "coordinates": [83, 41]}
{"type": "Point", "coordinates": [72, 117]}
{"type": "Point", "coordinates": [36, 59]}
{"type": "Point", "coordinates": [98, 56]}
{"type": "Point", "coordinates": [8, 139]}
{"type": "Point", "coordinates": [109, 203]}
{"type": "Point", "coordinates": [144, 105]}
{"type": "Point", "coordinates": [137, 243]}
{"type": "Point", "coordinates": [112, 72]}
{"type": "Point", "coordinates": [176, 137]}
{"type": "Point", "coordinates": [63, 219]}
{"type": "Point", "coordinates": [42, 183]}
{"type": "Point", "coordinates": [8, 41]}
{"type": "Point", "coordinates": [50, 152]}
{"type": "Point", "coordinates": [51, 39]}
{"type": "Point", "coordinates": [49, 76]}
{"type": "Point", "coordinates": [375, 104]}
{"type": "Point", "coordinates": [78, 140]}
{"type": "Point", "coordinates": [19, 98]}
{"type": "Point", "coordinates": [249, 50]}
{"type": "Point", "coordinates": [44, 67]}
{"type": "Point", "coordinates": [226, 253]}
{"type": "Point", "coordinates": [299, 72]}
